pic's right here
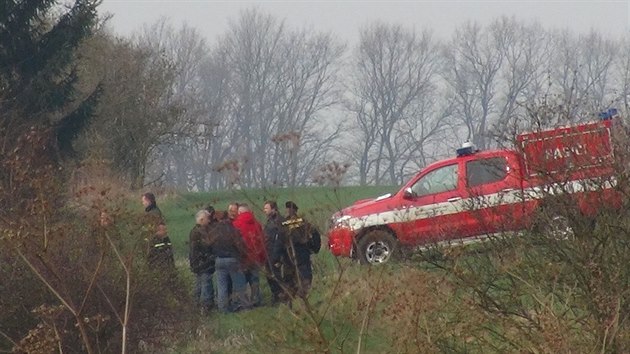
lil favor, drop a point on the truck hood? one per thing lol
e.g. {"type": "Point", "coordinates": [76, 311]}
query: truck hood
{"type": "Point", "coordinates": [367, 206]}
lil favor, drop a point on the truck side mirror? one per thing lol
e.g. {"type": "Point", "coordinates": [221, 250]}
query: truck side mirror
{"type": "Point", "coordinates": [409, 193]}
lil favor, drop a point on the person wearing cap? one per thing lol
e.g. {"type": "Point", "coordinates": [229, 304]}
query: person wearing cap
{"type": "Point", "coordinates": [302, 241]}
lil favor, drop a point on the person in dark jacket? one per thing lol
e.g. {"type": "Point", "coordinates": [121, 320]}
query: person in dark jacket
{"type": "Point", "coordinates": [202, 260]}
{"type": "Point", "coordinates": [160, 257]}
{"type": "Point", "coordinates": [303, 240]}
{"type": "Point", "coordinates": [276, 251]}
{"type": "Point", "coordinates": [231, 214]}
{"type": "Point", "coordinates": [229, 251]}
{"type": "Point", "coordinates": [150, 204]}
{"type": "Point", "coordinates": [152, 214]}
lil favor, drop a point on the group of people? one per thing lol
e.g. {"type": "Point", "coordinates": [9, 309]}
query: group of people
{"type": "Point", "coordinates": [236, 249]}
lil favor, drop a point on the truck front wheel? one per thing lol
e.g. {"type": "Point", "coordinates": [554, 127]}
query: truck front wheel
{"type": "Point", "coordinates": [377, 247]}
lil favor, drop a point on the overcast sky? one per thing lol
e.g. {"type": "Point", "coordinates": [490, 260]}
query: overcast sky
{"type": "Point", "coordinates": [344, 18]}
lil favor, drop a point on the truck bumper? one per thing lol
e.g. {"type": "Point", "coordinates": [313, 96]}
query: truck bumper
{"type": "Point", "coordinates": [340, 241]}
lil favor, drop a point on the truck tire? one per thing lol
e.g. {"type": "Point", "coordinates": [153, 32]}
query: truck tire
{"type": "Point", "coordinates": [377, 247]}
{"type": "Point", "coordinates": [558, 227]}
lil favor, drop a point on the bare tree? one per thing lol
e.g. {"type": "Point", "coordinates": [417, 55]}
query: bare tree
{"type": "Point", "coordinates": [493, 73]}
{"type": "Point", "coordinates": [580, 72]}
{"type": "Point", "coordinates": [216, 129]}
{"type": "Point", "coordinates": [188, 51]}
{"type": "Point", "coordinates": [278, 84]}
{"type": "Point", "coordinates": [152, 110]}
{"type": "Point", "coordinates": [622, 71]}
{"type": "Point", "coordinates": [311, 90]}
{"type": "Point", "coordinates": [523, 75]}
{"type": "Point", "coordinates": [391, 99]}
{"type": "Point", "coordinates": [472, 61]}
{"type": "Point", "coordinates": [363, 154]}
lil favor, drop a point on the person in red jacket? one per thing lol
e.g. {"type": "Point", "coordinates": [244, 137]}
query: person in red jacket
{"type": "Point", "coordinates": [252, 233]}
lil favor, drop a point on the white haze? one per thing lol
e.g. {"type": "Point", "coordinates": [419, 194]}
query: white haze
{"type": "Point", "coordinates": [344, 18]}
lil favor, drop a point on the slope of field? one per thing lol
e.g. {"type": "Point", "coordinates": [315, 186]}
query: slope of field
{"type": "Point", "coordinates": [533, 294]}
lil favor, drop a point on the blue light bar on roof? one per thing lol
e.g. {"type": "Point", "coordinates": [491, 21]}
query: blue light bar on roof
{"type": "Point", "coordinates": [465, 151]}
{"type": "Point", "coordinates": [610, 113]}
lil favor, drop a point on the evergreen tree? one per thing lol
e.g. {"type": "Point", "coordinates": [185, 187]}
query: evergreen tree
{"type": "Point", "coordinates": [38, 76]}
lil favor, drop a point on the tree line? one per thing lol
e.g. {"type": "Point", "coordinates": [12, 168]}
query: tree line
{"type": "Point", "coordinates": [265, 104]}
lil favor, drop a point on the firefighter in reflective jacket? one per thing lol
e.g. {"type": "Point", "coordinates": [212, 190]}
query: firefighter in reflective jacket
{"type": "Point", "coordinates": [160, 255]}
{"type": "Point", "coordinates": [302, 241]}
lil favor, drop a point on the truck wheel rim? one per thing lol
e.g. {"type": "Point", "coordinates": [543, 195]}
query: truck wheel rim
{"type": "Point", "coordinates": [377, 252]}
{"type": "Point", "coordinates": [559, 228]}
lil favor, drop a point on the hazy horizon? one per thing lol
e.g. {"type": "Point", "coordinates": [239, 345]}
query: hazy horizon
{"type": "Point", "coordinates": [345, 18]}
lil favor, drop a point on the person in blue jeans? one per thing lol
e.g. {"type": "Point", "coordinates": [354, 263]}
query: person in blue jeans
{"type": "Point", "coordinates": [202, 261]}
{"type": "Point", "coordinates": [229, 251]}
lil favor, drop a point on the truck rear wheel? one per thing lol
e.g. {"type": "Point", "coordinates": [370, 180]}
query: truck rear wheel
{"type": "Point", "coordinates": [377, 247]}
{"type": "Point", "coordinates": [553, 225]}
{"type": "Point", "coordinates": [558, 227]}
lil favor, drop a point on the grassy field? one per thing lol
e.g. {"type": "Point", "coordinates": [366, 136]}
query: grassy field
{"type": "Point", "coordinates": [506, 295]}
{"type": "Point", "coordinates": [351, 308]}
{"type": "Point", "coordinates": [261, 329]}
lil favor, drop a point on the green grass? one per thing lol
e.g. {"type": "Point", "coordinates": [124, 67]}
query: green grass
{"type": "Point", "coordinates": [427, 303]}
{"type": "Point", "coordinates": [317, 204]}
{"type": "Point", "coordinates": [405, 295]}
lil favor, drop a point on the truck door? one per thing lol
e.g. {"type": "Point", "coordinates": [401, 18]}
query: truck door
{"type": "Point", "coordinates": [433, 208]}
{"type": "Point", "coordinates": [493, 195]}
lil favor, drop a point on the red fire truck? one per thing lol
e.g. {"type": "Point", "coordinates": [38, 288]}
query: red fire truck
{"type": "Point", "coordinates": [478, 194]}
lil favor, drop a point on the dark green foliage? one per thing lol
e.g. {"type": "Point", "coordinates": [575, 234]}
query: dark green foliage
{"type": "Point", "coordinates": [65, 279]}
{"type": "Point", "coordinates": [38, 74]}
{"type": "Point", "coordinates": [73, 123]}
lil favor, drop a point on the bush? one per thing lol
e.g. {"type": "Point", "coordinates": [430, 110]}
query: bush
{"type": "Point", "coordinates": [74, 275]}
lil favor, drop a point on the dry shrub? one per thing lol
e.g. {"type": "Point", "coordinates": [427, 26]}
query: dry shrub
{"type": "Point", "coordinates": [60, 252]}
{"type": "Point", "coordinates": [419, 313]}
{"type": "Point", "coordinates": [537, 293]}
{"type": "Point", "coordinates": [412, 310]}
{"type": "Point", "coordinates": [318, 324]}
{"type": "Point", "coordinates": [330, 174]}
{"type": "Point", "coordinates": [81, 264]}
{"type": "Point", "coordinates": [368, 309]}
{"type": "Point", "coordinates": [487, 301]}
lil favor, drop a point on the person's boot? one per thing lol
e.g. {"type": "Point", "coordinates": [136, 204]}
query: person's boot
{"type": "Point", "coordinates": [275, 300]}
{"type": "Point", "coordinates": [255, 295]}
{"type": "Point", "coordinates": [206, 310]}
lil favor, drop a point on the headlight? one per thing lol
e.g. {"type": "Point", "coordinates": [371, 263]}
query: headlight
{"type": "Point", "coordinates": [340, 221]}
